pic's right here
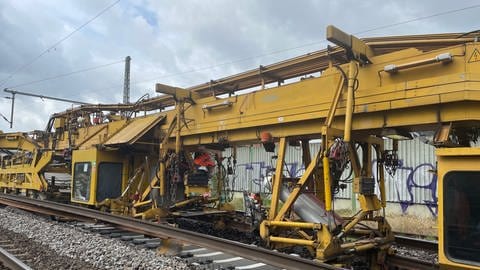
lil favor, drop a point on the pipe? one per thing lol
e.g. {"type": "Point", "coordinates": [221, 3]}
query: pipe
{"type": "Point", "coordinates": [327, 184]}
{"type": "Point", "coordinates": [310, 209]}
{"type": "Point", "coordinates": [177, 137]}
{"type": "Point", "coordinates": [365, 247]}
{"type": "Point", "coordinates": [162, 178]}
{"type": "Point", "coordinates": [277, 179]}
{"type": "Point", "coordinates": [443, 58]}
{"type": "Point", "coordinates": [349, 112]}
{"type": "Point", "coordinates": [352, 223]}
{"type": "Point", "coordinates": [356, 247]}
{"type": "Point", "coordinates": [292, 241]}
{"type": "Point", "coordinates": [142, 203]}
{"type": "Point", "coordinates": [336, 99]}
{"type": "Point", "coordinates": [12, 109]}
{"type": "Point", "coordinates": [301, 225]}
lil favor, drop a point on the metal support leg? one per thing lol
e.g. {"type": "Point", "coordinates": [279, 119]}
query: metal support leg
{"type": "Point", "coordinates": [277, 179]}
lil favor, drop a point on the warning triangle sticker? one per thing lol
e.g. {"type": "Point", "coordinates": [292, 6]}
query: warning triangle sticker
{"type": "Point", "coordinates": [475, 57]}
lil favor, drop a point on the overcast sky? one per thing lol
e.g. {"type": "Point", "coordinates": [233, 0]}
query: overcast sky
{"type": "Point", "coordinates": [181, 43]}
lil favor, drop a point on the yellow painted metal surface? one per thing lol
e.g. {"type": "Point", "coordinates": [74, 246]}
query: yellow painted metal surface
{"type": "Point", "coordinates": [452, 159]}
{"type": "Point", "coordinates": [89, 155]}
{"type": "Point", "coordinates": [134, 129]}
{"type": "Point", "coordinates": [381, 100]}
{"type": "Point", "coordinates": [23, 170]}
{"type": "Point", "coordinates": [291, 241]}
{"type": "Point", "coordinates": [301, 225]}
{"type": "Point", "coordinates": [95, 158]}
{"type": "Point", "coordinates": [18, 141]}
{"type": "Point", "coordinates": [277, 179]}
{"type": "Point", "coordinates": [421, 94]}
{"type": "Point", "coordinates": [369, 203]}
{"type": "Point", "coordinates": [26, 176]}
{"type": "Point", "coordinates": [327, 183]}
{"type": "Point", "coordinates": [415, 84]}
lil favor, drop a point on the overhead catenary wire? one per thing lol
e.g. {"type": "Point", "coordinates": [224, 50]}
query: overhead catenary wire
{"type": "Point", "coordinates": [137, 82]}
{"type": "Point", "coordinates": [313, 43]}
{"type": "Point", "coordinates": [67, 74]}
{"type": "Point", "coordinates": [386, 26]}
{"type": "Point", "coordinates": [161, 77]}
{"type": "Point", "coordinates": [418, 19]}
{"type": "Point", "coordinates": [2, 82]}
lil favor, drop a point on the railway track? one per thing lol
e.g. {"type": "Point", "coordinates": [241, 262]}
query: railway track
{"type": "Point", "coordinates": [413, 253]}
{"type": "Point", "coordinates": [398, 262]}
{"type": "Point", "coordinates": [9, 256]}
{"type": "Point", "coordinates": [165, 232]}
{"type": "Point", "coordinates": [416, 242]}
{"type": "Point", "coordinates": [203, 250]}
{"type": "Point", "coordinates": [196, 256]}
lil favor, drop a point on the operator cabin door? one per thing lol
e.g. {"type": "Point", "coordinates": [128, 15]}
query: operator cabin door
{"type": "Point", "coordinates": [109, 181]}
{"type": "Point", "coordinates": [459, 211]}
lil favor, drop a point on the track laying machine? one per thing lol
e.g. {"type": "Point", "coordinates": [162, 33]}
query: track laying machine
{"type": "Point", "coordinates": [164, 156]}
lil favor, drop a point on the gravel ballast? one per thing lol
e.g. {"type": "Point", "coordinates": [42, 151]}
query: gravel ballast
{"type": "Point", "coordinates": [423, 255]}
{"type": "Point", "coordinates": [77, 245]}
{"type": "Point", "coordinates": [38, 256]}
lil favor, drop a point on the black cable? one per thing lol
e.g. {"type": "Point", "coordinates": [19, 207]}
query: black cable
{"type": "Point", "coordinates": [469, 33]}
{"type": "Point", "coordinates": [318, 42]}
{"type": "Point", "coordinates": [418, 19]}
{"type": "Point", "coordinates": [287, 49]}
{"type": "Point", "coordinates": [241, 59]}
{"type": "Point", "coordinates": [67, 74]}
{"type": "Point", "coordinates": [344, 75]}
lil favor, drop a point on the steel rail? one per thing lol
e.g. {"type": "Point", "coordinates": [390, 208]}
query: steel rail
{"type": "Point", "coordinates": [167, 232]}
{"type": "Point", "coordinates": [407, 263]}
{"type": "Point", "coordinates": [10, 261]}
{"type": "Point", "coordinates": [416, 242]}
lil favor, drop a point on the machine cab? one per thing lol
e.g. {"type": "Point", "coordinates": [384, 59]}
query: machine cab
{"type": "Point", "coordinates": [96, 175]}
{"type": "Point", "coordinates": [459, 212]}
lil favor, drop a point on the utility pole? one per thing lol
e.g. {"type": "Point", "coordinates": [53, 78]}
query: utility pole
{"type": "Point", "coordinates": [126, 81]}
{"type": "Point", "coordinates": [12, 109]}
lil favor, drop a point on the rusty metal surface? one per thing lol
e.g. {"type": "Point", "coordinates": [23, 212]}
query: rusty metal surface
{"type": "Point", "coordinates": [167, 232]}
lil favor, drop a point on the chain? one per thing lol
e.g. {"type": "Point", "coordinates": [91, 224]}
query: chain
{"type": "Point", "coordinates": [229, 184]}
{"type": "Point", "coordinates": [234, 177]}
{"type": "Point", "coordinates": [173, 172]}
{"type": "Point", "coordinates": [222, 176]}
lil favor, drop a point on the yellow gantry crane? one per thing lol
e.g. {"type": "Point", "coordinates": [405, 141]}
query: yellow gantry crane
{"type": "Point", "coordinates": [367, 89]}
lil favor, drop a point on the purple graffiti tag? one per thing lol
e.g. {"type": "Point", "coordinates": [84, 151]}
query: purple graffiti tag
{"type": "Point", "coordinates": [294, 169]}
{"type": "Point", "coordinates": [411, 184]}
{"type": "Point", "coordinates": [259, 171]}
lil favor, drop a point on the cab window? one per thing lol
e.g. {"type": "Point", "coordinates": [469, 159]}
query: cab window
{"type": "Point", "coordinates": [462, 216]}
{"type": "Point", "coordinates": [82, 172]}
{"type": "Point", "coordinates": [109, 180]}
